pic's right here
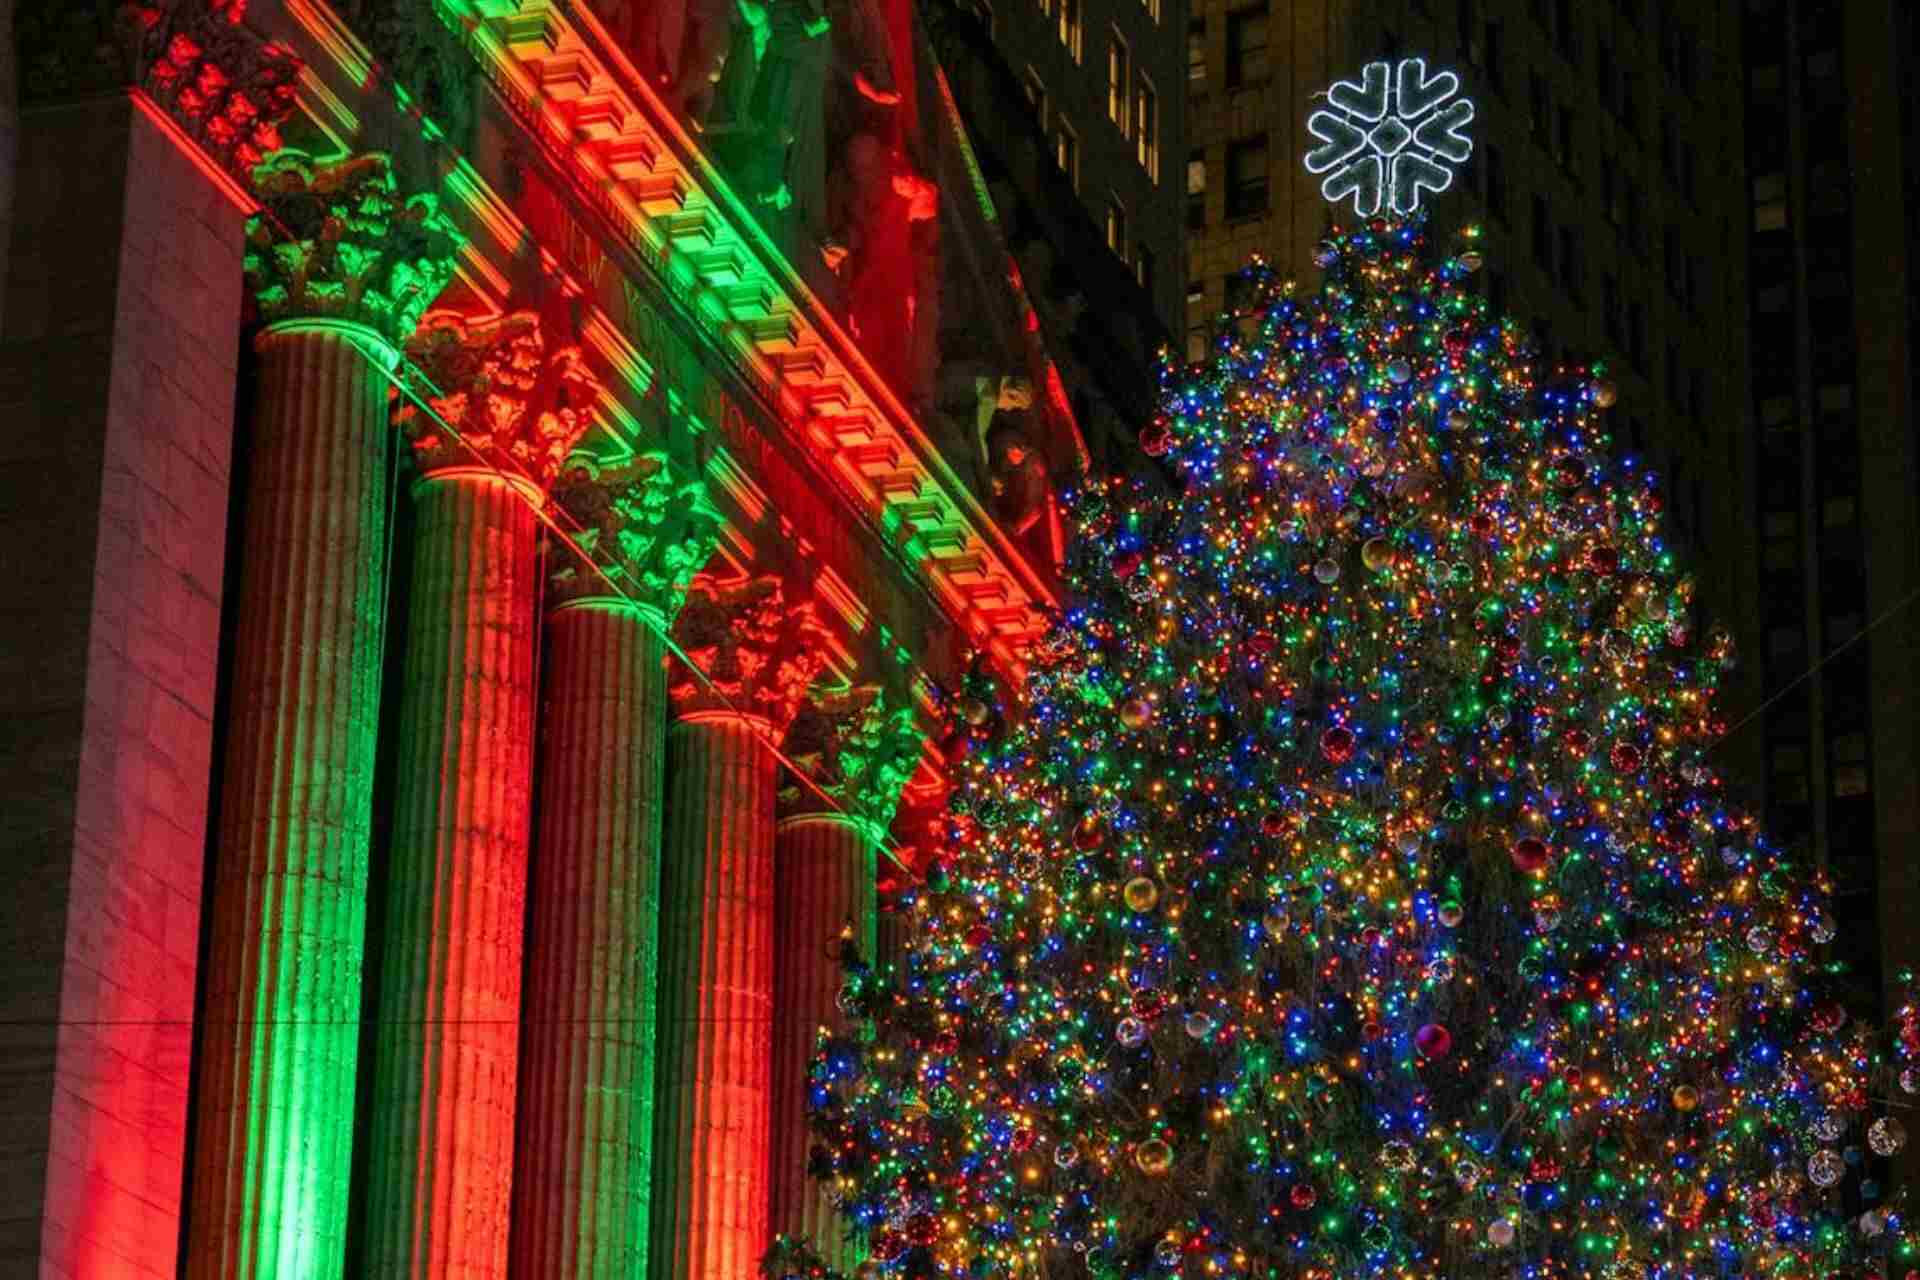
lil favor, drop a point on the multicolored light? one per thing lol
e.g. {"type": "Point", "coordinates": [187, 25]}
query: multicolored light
{"type": "Point", "coordinates": [1348, 892]}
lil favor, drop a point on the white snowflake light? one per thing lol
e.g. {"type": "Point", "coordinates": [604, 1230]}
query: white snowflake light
{"type": "Point", "coordinates": [1390, 137]}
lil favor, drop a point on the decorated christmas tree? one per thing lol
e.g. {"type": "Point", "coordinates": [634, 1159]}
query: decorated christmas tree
{"type": "Point", "coordinates": [1350, 890]}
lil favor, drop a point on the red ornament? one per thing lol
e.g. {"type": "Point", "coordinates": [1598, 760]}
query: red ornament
{"type": "Point", "coordinates": [979, 936]}
{"type": "Point", "coordinates": [1544, 1169]}
{"type": "Point", "coordinates": [1604, 559]}
{"type": "Point", "coordinates": [1433, 1041]}
{"type": "Point", "coordinates": [944, 1043]}
{"type": "Point", "coordinates": [1155, 439]}
{"type": "Point", "coordinates": [923, 1229]}
{"type": "Point", "coordinates": [1456, 341]}
{"type": "Point", "coordinates": [1262, 642]}
{"type": "Point", "coordinates": [1529, 855]}
{"type": "Point", "coordinates": [1336, 744]}
{"type": "Point", "coordinates": [1578, 740]}
{"type": "Point", "coordinates": [1303, 1195]}
{"type": "Point", "coordinates": [1625, 757]}
{"type": "Point", "coordinates": [1089, 835]}
{"type": "Point", "coordinates": [1480, 523]}
{"type": "Point", "coordinates": [1417, 738]}
{"type": "Point", "coordinates": [1273, 824]}
{"type": "Point", "coordinates": [1371, 1031]}
{"type": "Point", "coordinates": [1148, 1003]}
{"type": "Point", "coordinates": [1022, 1139]}
{"type": "Point", "coordinates": [1127, 563]}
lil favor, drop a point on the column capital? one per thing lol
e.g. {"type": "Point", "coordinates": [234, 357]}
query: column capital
{"type": "Point", "coordinates": [518, 406]}
{"type": "Point", "coordinates": [648, 524]}
{"type": "Point", "coordinates": [759, 649]}
{"type": "Point", "coordinates": [859, 747]}
{"type": "Point", "coordinates": [338, 241]}
{"type": "Point", "coordinates": [225, 85]}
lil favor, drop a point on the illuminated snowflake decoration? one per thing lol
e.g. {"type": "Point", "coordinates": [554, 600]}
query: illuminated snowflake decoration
{"type": "Point", "coordinates": [1390, 137]}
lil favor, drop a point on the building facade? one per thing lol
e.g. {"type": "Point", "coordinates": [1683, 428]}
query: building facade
{"type": "Point", "coordinates": [495, 494]}
{"type": "Point", "coordinates": [1833, 171]}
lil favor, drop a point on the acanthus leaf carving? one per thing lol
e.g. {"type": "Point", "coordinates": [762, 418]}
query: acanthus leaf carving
{"type": "Point", "coordinates": [511, 403]}
{"type": "Point", "coordinates": [857, 746]}
{"type": "Point", "coordinates": [339, 241]}
{"type": "Point", "coordinates": [759, 651]}
{"type": "Point", "coordinates": [648, 524]}
{"type": "Point", "coordinates": [227, 86]}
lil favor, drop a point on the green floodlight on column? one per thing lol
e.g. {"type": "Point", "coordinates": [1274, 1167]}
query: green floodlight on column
{"type": "Point", "coordinates": [1386, 139]}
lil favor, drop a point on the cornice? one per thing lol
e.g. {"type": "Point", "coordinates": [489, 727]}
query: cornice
{"type": "Point", "coordinates": [577, 97]}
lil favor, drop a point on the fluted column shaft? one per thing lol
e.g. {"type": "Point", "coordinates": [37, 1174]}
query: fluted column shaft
{"type": "Point", "coordinates": [716, 1000]}
{"type": "Point", "coordinates": [441, 1162]}
{"type": "Point", "coordinates": [823, 884]}
{"type": "Point", "coordinates": [586, 1096]}
{"type": "Point", "coordinates": [284, 962]}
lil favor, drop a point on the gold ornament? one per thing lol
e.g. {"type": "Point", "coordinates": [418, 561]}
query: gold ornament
{"type": "Point", "coordinates": [1136, 713]}
{"type": "Point", "coordinates": [1686, 1098]}
{"type": "Point", "coordinates": [1376, 554]}
{"type": "Point", "coordinates": [1141, 894]}
{"type": "Point", "coordinates": [1154, 1157]}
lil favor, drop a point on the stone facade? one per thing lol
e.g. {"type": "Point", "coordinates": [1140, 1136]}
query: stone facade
{"type": "Point", "coordinates": [438, 511]}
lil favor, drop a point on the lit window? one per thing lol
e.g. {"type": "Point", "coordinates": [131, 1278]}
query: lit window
{"type": "Point", "coordinates": [1066, 153]}
{"type": "Point", "coordinates": [1196, 344]}
{"type": "Point", "coordinates": [1146, 127]}
{"type": "Point", "coordinates": [1246, 47]}
{"type": "Point", "coordinates": [1143, 266]}
{"type": "Point", "coordinates": [1117, 227]}
{"type": "Point", "coordinates": [1152, 7]}
{"type": "Point", "coordinates": [1118, 73]}
{"type": "Point", "coordinates": [1197, 52]}
{"type": "Point", "coordinates": [1072, 34]}
{"type": "Point", "coordinates": [1196, 190]}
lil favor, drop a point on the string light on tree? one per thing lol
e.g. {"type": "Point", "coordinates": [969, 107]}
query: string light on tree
{"type": "Point", "coordinates": [1347, 893]}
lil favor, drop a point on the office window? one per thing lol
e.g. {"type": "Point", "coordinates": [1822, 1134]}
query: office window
{"type": "Point", "coordinates": [1673, 374]}
{"type": "Point", "coordinates": [1066, 153]}
{"type": "Point", "coordinates": [1072, 31]}
{"type": "Point", "coordinates": [1609, 187]}
{"type": "Point", "coordinates": [1496, 182]}
{"type": "Point", "coordinates": [1497, 294]}
{"type": "Point", "coordinates": [983, 9]}
{"type": "Point", "coordinates": [1637, 334]}
{"type": "Point", "coordinates": [1196, 190]}
{"type": "Point", "coordinates": [1697, 395]}
{"type": "Point", "coordinates": [1197, 52]}
{"type": "Point", "coordinates": [1146, 127]}
{"type": "Point", "coordinates": [1573, 269]}
{"type": "Point", "coordinates": [1537, 107]}
{"type": "Point", "coordinates": [1610, 306]}
{"type": "Point", "coordinates": [1246, 47]}
{"type": "Point", "coordinates": [1495, 68]}
{"type": "Point", "coordinates": [1045, 7]}
{"type": "Point", "coordinates": [1117, 227]}
{"type": "Point", "coordinates": [1143, 266]}
{"type": "Point", "coordinates": [1467, 32]}
{"type": "Point", "coordinates": [1565, 34]}
{"type": "Point", "coordinates": [1630, 101]}
{"type": "Point", "coordinates": [1630, 215]}
{"type": "Point", "coordinates": [1849, 764]}
{"type": "Point", "coordinates": [1789, 770]}
{"type": "Point", "coordinates": [1669, 150]}
{"type": "Point", "coordinates": [1037, 98]}
{"type": "Point", "coordinates": [1247, 178]}
{"type": "Point", "coordinates": [1604, 72]}
{"type": "Point", "coordinates": [1563, 138]}
{"type": "Point", "coordinates": [1542, 236]}
{"type": "Point", "coordinates": [1239, 292]}
{"type": "Point", "coordinates": [1770, 202]}
{"type": "Point", "coordinates": [1152, 7]}
{"type": "Point", "coordinates": [1119, 75]}
{"type": "Point", "coordinates": [1670, 255]}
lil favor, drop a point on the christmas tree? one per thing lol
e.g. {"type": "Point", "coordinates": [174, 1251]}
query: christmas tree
{"type": "Point", "coordinates": [1350, 891]}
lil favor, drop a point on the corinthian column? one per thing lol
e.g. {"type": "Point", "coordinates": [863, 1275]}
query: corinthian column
{"type": "Point", "coordinates": [281, 1029]}
{"type": "Point", "coordinates": [855, 747]}
{"type": "Point", "coordinates": [760, 652]}
{"type": "Point", "coordinates": [441, 1164]}
{"type": "Point", "coordinates": [588, 1048]}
